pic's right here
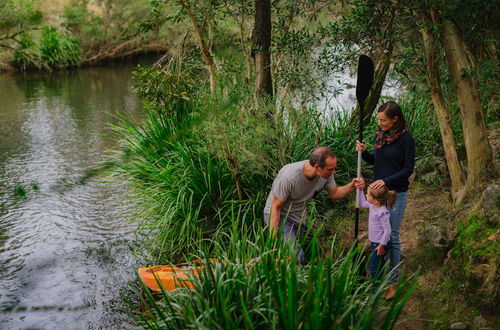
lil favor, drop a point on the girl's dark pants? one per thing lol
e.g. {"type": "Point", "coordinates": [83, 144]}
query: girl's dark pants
{"type": "Point", "coordinates": [377, 264]}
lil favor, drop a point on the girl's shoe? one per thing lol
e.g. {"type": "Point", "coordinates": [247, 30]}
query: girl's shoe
{"type": "Point", "coordinates": [391, 292]}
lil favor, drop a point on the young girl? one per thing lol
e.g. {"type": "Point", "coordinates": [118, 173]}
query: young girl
{"type": "Point", "coordinates": [379, 226]}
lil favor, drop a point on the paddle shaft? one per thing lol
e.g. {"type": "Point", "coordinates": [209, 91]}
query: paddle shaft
{"type": "Point", "coordinates": [358, 173]}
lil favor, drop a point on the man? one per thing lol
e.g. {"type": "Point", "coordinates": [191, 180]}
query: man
{"type": "Point", "coordinates": [296, 184]}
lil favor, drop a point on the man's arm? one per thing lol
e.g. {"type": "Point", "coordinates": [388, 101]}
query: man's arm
{"type": "Point", "coordinates": [341, 192]}
{"type": "Point", "coordinates": [276, 206]}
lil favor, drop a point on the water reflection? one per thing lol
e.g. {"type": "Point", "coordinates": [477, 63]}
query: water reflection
{"type": "Point", "coordinates": [64, 242]}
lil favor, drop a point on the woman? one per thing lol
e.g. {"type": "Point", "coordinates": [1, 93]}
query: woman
{"type": "Point", "coordinates": [393, 158]}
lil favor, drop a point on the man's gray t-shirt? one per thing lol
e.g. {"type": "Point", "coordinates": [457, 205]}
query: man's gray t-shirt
{"type": "Point", "coordinates": [293, 188]}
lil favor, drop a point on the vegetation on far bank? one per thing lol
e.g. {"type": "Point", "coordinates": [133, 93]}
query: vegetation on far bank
{"type": "Point", "coordinates": [39, 34]}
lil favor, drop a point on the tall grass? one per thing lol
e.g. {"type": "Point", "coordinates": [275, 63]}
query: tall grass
{"type": "Point", "coordinates": [273, 292]}
{"type": "Point", "coordinates": [176, 186]}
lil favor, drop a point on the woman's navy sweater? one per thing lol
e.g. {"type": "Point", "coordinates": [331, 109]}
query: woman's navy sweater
{"type": "Point", "coordinates": [393, 163]}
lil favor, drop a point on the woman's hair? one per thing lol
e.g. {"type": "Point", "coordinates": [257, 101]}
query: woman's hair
{"type": "Point", "coordinates": [391, 110]}
{"type": "Point", "coordinates": [384, 195]}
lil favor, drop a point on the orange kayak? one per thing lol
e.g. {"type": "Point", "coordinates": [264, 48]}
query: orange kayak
{"type": "Point", "coordinates": [170, 277]}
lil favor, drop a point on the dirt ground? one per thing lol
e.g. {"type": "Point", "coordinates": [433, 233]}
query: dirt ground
{"type": "Point", "coordinates": [418, 206]}
{"type": "Point", "coordinates": [424, 205]}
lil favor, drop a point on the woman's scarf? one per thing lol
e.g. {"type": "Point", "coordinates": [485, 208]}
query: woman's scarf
{"type": "Point", "coordinates": [387, 137]}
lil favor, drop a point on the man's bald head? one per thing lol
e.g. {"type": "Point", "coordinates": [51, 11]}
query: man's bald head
{"type": "Point", "coordinates": [319, 156]}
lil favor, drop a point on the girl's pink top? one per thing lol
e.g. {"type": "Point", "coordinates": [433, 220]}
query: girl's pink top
{"type": "Point", "coordinates": [379, 226]}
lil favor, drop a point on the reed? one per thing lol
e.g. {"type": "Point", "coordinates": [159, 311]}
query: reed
{"type": "Point", "coordinates": [257, 284]}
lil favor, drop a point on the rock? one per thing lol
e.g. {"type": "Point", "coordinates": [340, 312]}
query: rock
{"type": "Point", "coordinates": [436, 236]}
{"type": "Point", "coordinates": [480, 322]}
{"type": "Point", "coordinates": [491, 199]}
{"type": "Point", "coordinates": [458, 325]}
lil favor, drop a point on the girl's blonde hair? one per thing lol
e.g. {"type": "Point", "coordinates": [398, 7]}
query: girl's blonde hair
{"type": "Point", "coordinates": [383, 195]}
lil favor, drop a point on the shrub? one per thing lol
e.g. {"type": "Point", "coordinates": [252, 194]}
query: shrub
{"type": "Point", "coordinates": [59, 50]}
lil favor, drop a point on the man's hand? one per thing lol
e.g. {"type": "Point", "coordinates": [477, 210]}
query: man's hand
{"type": "Point", "coordinates": [274, 221]}
{"type": "Point", "coordinates": [341, 192]}
{"type": "Point", "coordinates": [359, 183]}
{"type": "Point", "coordinates": [380, 250]}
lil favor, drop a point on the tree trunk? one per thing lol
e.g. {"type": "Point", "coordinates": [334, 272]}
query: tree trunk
{"type": "Point", "coordinates": [232, 164]}
{"type": "Point", "coordinates": [244, 45]}
{"type": "Point", "coordinates": [261, 48]}
{"type": "Point", "coordinates": [205, 52]}
{"type": "Point", "coordinates": [442, 115]}
{"type": "Point", "coordinates": [458, 56]}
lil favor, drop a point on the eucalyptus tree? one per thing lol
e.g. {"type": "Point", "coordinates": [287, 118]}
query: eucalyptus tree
{"type": "Point", "coordinates": [463, 70]}
{"type": "Point", "coordinates": [452, 32]}
{"type": "Point", "coordinates": [430, 44]}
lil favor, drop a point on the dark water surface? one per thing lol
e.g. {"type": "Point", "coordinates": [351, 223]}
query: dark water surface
{"type": "Point", "coordinates": [65, 256]}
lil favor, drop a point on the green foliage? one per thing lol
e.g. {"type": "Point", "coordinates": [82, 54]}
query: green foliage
{"type": "Point", "coordinates": [163, 85]}
{"type": "Point", "coordinates": [18, 15]}
{"type": "Point", "coordinates": [53, 50]}
{"type": "Point", "coordinates": [475, 259]}
{"type": "Point", "coordinates": [178, 186]}
{"type": "Point", "coordinates": [472, 239]}
{"type": "Point", "coordinates": [118, 21]}
{"type": "Point", "coordinates": [18, 19]}
{"type": "Point", "coordinates": [257, 284]}
{"type": "Point", "coordinates": [83, 24]}
{"type": "Point", "coordinates": [59, 50]}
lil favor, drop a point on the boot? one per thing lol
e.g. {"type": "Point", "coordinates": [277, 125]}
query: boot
{"type": "Point", "coordinates": [391, 292]}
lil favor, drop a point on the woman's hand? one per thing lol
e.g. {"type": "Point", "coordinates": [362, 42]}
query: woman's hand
{"type": "Point", "coordinates": [377, 184]}
{"type": "Point", "coordinates": [380, 250]}
{"type": "Point", "coordinates": [360, 146]}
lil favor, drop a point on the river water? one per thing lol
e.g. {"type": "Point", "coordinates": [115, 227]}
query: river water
{"type": "Point", "coordinates": [65, 257]}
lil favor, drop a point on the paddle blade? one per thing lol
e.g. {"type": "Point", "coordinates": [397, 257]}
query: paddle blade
{"type": "Point", "coordinates": [365, 78]}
